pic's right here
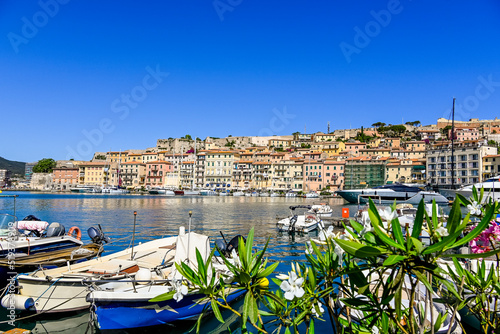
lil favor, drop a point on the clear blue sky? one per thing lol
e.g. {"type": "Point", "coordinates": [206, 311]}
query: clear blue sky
{"type": "Point", "coordinates": [76, 77]}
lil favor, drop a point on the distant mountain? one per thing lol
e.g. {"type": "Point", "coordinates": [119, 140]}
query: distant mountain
{"type": "Point", "coordinates": [16, 167]}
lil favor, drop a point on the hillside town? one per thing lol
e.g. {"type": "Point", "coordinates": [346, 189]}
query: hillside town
{"type": "Point", "coordinates": [300, 162]}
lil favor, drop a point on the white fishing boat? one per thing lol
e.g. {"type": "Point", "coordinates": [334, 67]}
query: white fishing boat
{"type": "Point", "coordinates": [275, 194]}
{"type": "Point", "coordinates": [264, 194]}
{"type": "Point", "coordinates": [312, 194]}
{"type": "Point", "coordinates": [64, 289]}
{"type": "Point", "coordinates": [208, 192]}
{"type": "Point", "coordinates": [127, 304]}
{"type": "Point", "coordinates": [300, 222]}
{"type": "Point", "coordinates": [238, 194]}
{"type": "Point", "coordinates": [321, 210]}
{"type": "Point", "coordinates": [291, 194]}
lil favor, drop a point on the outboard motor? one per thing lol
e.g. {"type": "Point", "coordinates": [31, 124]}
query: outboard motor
{"type": "Point", "coordinates": [233, 244]}
{"type": "Point", "coordinates": [97, 235]}
{"type": "Point", "coordinates": [221, 245]}
{"type": "Point", "coordinates": [55, 230]}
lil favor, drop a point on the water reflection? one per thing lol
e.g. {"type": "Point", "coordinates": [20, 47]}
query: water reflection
{"type": "Point", "coordinates": [162, 216]}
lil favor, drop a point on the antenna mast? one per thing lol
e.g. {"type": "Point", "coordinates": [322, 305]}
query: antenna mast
{"type": "Point", "coordinates": [453, 146]}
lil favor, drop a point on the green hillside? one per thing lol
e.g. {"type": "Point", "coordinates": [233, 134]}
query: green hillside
{"type": "Point", "coordinates": [16, 167]}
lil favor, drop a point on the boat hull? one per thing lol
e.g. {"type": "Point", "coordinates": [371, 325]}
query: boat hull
{"type": "Point", "coordinates": [388, 197]}
{"type": "Point", "coordinates": [134, 313]}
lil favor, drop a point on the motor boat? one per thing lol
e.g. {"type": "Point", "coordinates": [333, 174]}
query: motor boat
{"type": "Point", "coordinates": [321, 210]}
{"type": "Point", "coordinates": [208, 192]}
{"type": "Point", "coordinates": [300, 223]}
{"type": "Point", "coordinates": [127, 304]}
{"type": "Point", "coordinates": [85, 189]}
{"type": "Point", "coordinates": [491, 188]}
{"type": "Point", "coordinates": [64, 289]}
{"type": "Point", "coordinates": [389, 193]}
{"type": "Point", "coordinates": [312, 194]}
{"type": "Point", "coordinates": [291, 194]}
{"type": "Point", "coordinates": [161, 191]}
{"type": "Point", "coordinates": [114, 191]}
{"type": "Point", "coordinates": [31, 243]}
{"type": "Point", "coordinates": [238, 193]}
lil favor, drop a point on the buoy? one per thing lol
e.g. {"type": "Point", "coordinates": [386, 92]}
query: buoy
{"type": "Point", "coordinates": [143, 274]}
{"type": "Point", "coordinates": [19, 302]}
{"type": "Point", "coordinates": [78, 232]}
{"type": "Point", "coordinates": [345, 212]}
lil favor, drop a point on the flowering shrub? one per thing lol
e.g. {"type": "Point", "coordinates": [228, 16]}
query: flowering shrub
{"type": "Point", "coordinates": [488, 240]}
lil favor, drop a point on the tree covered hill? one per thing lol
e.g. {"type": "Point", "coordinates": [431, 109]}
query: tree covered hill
{"type": "Point", "coordinates": [16, 167]}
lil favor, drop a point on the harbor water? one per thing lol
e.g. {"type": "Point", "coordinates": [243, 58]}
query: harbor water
{"type": "Point", "coordinates": [159, 216]}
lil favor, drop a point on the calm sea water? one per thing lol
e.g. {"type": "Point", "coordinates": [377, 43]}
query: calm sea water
{"type": "Point", "coordinates": [159, 216]}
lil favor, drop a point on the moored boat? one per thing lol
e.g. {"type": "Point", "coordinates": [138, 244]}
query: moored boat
{"type": "Point", "coordinates": [389, 193]}
{"type": "Point", "coordinates": [130, 303]}
{"type": "Point", "coordinates": [300, 223]}
{"type": "Point", "coordinates": [321, 210]}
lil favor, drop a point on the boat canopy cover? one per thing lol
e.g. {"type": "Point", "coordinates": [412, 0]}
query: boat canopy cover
{"type": "Point", "coordinates": [185, 250]}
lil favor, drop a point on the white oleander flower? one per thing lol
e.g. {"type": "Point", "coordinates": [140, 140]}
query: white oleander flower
{"type": "Point", "coordinates": [375, 330]}
{"type": "Point", "coordinates": [388, 214]}
{"type": "Point", "coordinates": [367, 227]}
{"type": "Point", "coordinates": [319, 308]}
{"type": "Point", "coordinates": [180, 290]}
{"type": "Point", "coordinates": [236, 259]}
{"type": "Point", "coordinates": [442, 231]}
{"type": "Point", "coordinates": [328, 234]}
{"type": "Point", "coordinates": [293, 286]}
{"type": "Point", "coordinates": [474, 208]}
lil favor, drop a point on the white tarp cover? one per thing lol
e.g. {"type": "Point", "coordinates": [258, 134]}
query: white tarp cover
{"type": "Point", "coordinates": [186, 254]}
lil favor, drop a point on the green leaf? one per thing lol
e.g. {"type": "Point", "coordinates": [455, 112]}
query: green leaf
{"type": "Point", "coordinates": [202, 270]}
{"type": "Point", "coordinates": [253, 311]}
{"type": "Point", "coordinates": [269, 270]}
{"type": "Point", "coordinates": [393, 259]}
{"type": "Point", "coordinates": [474, 256]}
{"type": "Point", "coordinates": [357, 226]}
{"type": "Point", "coordinates": [462, 199]}
{"type": "Point", "coordinates": [422, 279]}
{"type": "Point", "coordinates": [479, 228]}
{"type": "Point", "coordinates": [439, 246]}
{"type": "Point", "coordinates": [163, 297]}
{"type": "Point", "coordinates": [419, 220]}
{"type": "Point", "coordinates": [454, 217]}
{"type": "Point", "coordinates": [375, 219]}
{"type": "Point", "coordinates": [359, 250]}
{"type": "Point", "coordinates": [311, 326]}
{"type": "Point", "coordinates": [398, 234]}
{"type": "Point", "coordinates": [216, 311]}
{"type": "Point", "coordinates": [249, 244]}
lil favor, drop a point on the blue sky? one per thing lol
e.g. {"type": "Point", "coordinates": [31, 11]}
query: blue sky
{"type": "Point", "coordinates": [84, 76]}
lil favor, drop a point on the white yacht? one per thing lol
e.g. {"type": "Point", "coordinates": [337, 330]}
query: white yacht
{"type": "Point", "coordinates": [491, 188]}
{"type": "Point", "coordinates": [387, 193]}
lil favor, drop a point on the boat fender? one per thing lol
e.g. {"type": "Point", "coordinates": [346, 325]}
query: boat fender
{"type": "Point", "coordinates": [17, 302]}
{"type": "Point", "coordinates": [78, 232]}
{"type": "Point", "coordinates": [143, 274]}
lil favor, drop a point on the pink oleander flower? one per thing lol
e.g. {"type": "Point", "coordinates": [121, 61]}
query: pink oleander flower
{"type": "Point", "coordinates": [483, 242]}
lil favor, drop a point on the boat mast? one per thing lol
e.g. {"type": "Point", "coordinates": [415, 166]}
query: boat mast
{"type": "Point", "coordinates": [453, 146]}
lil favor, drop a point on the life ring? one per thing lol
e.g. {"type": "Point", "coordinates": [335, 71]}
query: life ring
{"type": "Point", "coordinates": [78, 232]}
{"type": "Point", "coordinates": [311, 217]}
